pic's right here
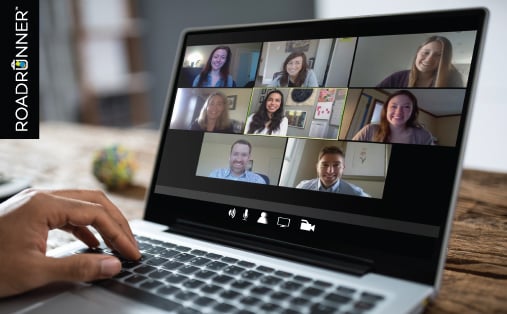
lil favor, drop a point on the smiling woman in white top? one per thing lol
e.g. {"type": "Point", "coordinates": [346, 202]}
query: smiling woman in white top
{"type": "Point", "coordinates": [269, 118]}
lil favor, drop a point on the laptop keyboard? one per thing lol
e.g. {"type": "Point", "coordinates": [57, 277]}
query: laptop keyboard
{"type": "Point", "coordinates": [184, 280]}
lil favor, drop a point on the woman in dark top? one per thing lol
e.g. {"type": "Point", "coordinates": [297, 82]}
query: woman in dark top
{"type": "Point", "coordinates": [431, 67]}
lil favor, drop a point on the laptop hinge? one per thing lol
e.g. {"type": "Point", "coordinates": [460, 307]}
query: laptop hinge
{"type": "Point", "coordinates": [345, 263]}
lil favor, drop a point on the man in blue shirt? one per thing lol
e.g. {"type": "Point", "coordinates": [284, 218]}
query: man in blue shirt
{"type": "Point", "coordinates": [240, 155]}
{"type": "Point", "coordinates": [330, 167]}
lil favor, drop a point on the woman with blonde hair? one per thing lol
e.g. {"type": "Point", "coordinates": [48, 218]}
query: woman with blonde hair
{"type": "Point", "coordinates": [432, 67]}
{"type": "Point", "coordinates": [214, 115]}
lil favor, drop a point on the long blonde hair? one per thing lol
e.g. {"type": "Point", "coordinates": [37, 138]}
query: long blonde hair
{"type": "Point", "coordinates": [445, 66]}
{"type": "Point", "coordinates": [223, 122]}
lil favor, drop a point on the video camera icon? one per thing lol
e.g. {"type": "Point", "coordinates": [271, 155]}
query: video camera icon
{"type": "Point", "coordinates": [306, 226]}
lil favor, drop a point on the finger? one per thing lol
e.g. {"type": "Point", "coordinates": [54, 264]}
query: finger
{"type": "Point", "coordinates": [62, 211]}
{"type": "Point", "coordinates": [81, 267]}
{"type": "Point", "coordinates": [100, 198]}
{"type": "Point", "coordinates": [82, 233]}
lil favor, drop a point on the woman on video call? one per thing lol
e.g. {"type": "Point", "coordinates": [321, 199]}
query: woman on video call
{"type": "Point", "coordinates": [398, 123]}
{"type": "Point", "coordinates": [269, 118]}
{"type": "Point", "coordinates": [214, 115]}
{"type": "Point", "coordinates": [432, 67]}
{"type": "Point", "coordinates": [295, 73]}
{"type": "Point", "coordinates": [216, 71]}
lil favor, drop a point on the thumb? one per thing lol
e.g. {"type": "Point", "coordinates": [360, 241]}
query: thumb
{"type": "Point", "coordinates": [82, 267]}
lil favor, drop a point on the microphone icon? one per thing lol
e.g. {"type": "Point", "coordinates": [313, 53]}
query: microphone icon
{"type": "Point", "coordinates": [245, 214]}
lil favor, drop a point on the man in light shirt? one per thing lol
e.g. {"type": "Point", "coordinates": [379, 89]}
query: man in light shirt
{"type": "Point", "coordinates": [241, 151]}
{"type": "Point", "coordinates": [330, 166]}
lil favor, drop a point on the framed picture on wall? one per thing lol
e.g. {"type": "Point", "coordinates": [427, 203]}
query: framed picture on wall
{"type": "Point", "coordinates": [297, 118]}
{"type": "Point", "coordinates": [365, 159]}
{"type": "Point", "coordinates": [231, 101]}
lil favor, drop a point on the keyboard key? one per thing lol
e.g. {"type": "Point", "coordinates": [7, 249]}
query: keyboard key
{"type": "Point", "coordinates": [230, 294]}
{"type": "Point", "coordinates": [211, 289]}
{"type": "Point", "coordinates": [246, 264]}
{"type": "Point", "coordinates": [299, 301]}
{"type": "Point", "coordinates": [144, 269]}
{"type": "Point", "coordinates": [187, 269]}
{"type": "Point", "coordinates": [199, 261]}
{"type": "Point", "coordinates": [204, 274]}
{"type": "Point", "coordinates": [172, 265]}
{"type": "Point", "coordinates": [173, 278]}
{"type": "Point", "coordinates": [203, 301]}
{"type": "Point", "coordinates": [213, 256]}
{"type": "Point", "coordinates": [193, 283]}
{"type": "Point", "coordinates": [159, 273]}
{"type": "Point", "coordinates": [150, 284]}
{"type": "Point", "coordinates": [183, 257]}
{"type": "Point", "coordinates": [270, 280]}
{"type": "Point", "coordinates": [279, 295]}
{"type": "Point", "coordinates": [312, 291]}
{"type": "Point", "coordinates": [302, 279]}
{"type": "Point", "coordinates": [182, 248]}
{"type": "Point", "coordinates": [367, 296]}
{"type": "Point", "coordinates": [271, 307]}
{"type": "Point", "coordinates": [135, 279]}
{"type": "Point", "coordinates": [265, 269]}
{"type": "Point", "coordinates": [241, 284]}
{"type": "Point", "coordinates": [185, 295]}
{"type": "Point", "coordinates": [251, 274]}
{"type": "Point", "coordinates": [169, 253]}
{"type": "Point", "coordinates": [291, 285]}
{"type": "Point", "coordinates": [224, 308]}
{"type": "Point", "coordinates": [346, 290]}
{"type": "Point", "coordinates": [167, 290]}
{"type": "Point", "coordinates": [222, 279]}
{"type": "Point", "coordinates": [216, 265]}
{"type": "Point", "coordinates": [122, 274]}
{"type": "Point", "coordinates": [233, 270]}
{"type": "Point", "coordinates": [363, 305]}
{"type": "Point", "coordinates": [337, 298]}
{"type": "Point", "coordinates": [322, 309]}
{"type": "Point", "coordinates": [323, 284]}
{"type": "Point", "coordinates": [198, 252]}
{"type": "Point", "coordinates": [156, 261]}
{"type": "Point", "coordinates": [283, 274]}
{"type": "Point", "coordinates": [229, 260]}
{"type": "Point", "coordinates": [248, 300]}
{"type": "Point", "coordinates": [261, 290]}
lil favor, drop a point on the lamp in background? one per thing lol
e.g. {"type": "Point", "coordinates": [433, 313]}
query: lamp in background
{"type": "Point", "coordinates": [194, 59]}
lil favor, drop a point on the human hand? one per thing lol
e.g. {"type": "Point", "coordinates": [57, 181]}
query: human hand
{"type": "Point", "coordinates": [27, 217]}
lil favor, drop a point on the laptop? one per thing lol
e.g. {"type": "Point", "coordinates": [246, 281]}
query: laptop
{"type": "Point", "coordinates": [244, 215]}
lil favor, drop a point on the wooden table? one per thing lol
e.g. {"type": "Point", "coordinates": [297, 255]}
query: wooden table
{"type": "Point", "coordinates": [475, 276]}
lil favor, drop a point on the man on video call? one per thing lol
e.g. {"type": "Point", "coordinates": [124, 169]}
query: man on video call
{"type": "Point", "coordinates": [241, 151]}
{"type": "Point", "coordinates": [330, 167]}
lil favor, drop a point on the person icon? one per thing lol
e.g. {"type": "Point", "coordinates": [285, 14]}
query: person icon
{"type": "Point", "coordinates": [263, 218]}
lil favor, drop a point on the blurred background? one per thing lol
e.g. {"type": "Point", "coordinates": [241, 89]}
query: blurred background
{"type": "Point", "coordinates": [109, 62]}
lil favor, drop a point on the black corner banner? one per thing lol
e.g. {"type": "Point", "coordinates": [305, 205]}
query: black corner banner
{"type": "Point", "coordinates": [19, 107]}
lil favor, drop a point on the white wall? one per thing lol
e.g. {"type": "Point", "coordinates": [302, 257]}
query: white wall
{"type": "Point", "coordinates": [487, 144]}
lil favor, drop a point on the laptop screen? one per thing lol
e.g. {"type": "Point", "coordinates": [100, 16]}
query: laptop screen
{"type": "Point", "coordinates": [329, 137]}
